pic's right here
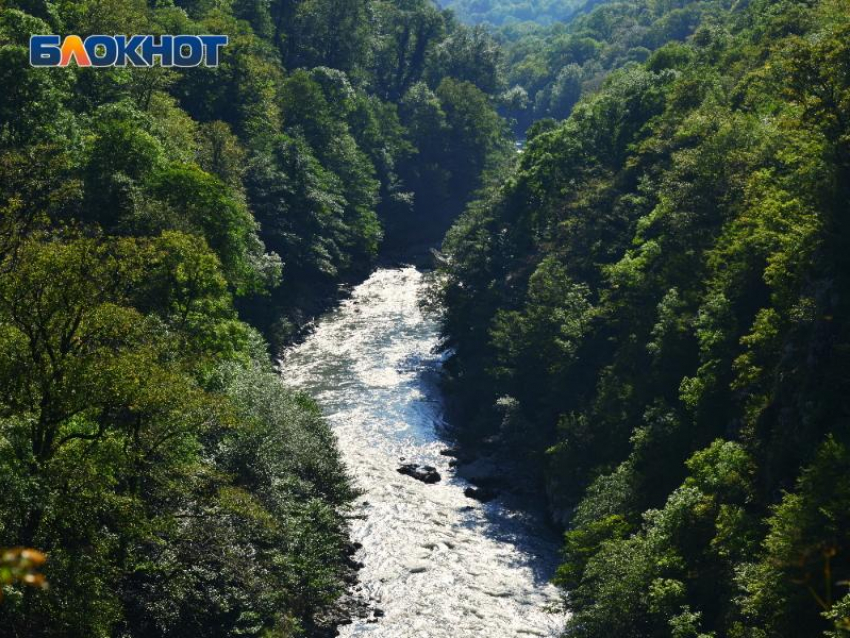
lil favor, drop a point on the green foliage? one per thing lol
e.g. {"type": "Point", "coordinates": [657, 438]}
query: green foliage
{"type": "Point", "coordinates": [470, 55]}
{"type": "Point", "coordinates": [509, 12]}
{"type": "Point", "coordinates": [805, 552]}
{"type": "Point", "coordinates": [33, 108]}
{"type": "Point", "coordinates": [110, 443]}
{"type": "Point", "coordinates": [558, 63]}
{"type": "Point", "coordinates": [474, 136]}
{"type": "Point", "coordinates": [206, 204]}
{"type": "Point", "coordinates": [409, 31]}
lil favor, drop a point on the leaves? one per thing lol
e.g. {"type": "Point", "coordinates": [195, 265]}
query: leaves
{"type": "Point", "coordinates": [659, 288]}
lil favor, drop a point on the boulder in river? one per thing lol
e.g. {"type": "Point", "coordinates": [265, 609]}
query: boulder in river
{"type": "Point", "coordinates": [416, 568]}
{"type": "Point", "coordinates": [482, 494]}
{"type": "Point", "coordinates": [424, 473]}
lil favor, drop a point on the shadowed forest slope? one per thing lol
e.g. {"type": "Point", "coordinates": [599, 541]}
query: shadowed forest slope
{"type": "Point", "coordinates": [654, 308]}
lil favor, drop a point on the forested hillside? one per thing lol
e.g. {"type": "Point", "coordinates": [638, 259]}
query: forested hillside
{"type": "Point", "coordinates": [548, 69]}
{"type": "Point", "coordinates": [654, 310]}
{"type": "Point", "coordinates": [551, 63]}
{"type": "Point", "coordinates": [508, 12]}
{"type": "Point", "coordinates": [146, 445]}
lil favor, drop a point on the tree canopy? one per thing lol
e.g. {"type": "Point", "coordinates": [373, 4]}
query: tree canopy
{"type": "Point", "coordinates": [652, 308]}
{"type": "Point", "coordinates": [162, 233]}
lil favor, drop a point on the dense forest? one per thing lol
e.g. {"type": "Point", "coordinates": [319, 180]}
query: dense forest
{"type": "Point", "coordinates": [548, 65]}
{"type": "Point", "coordinates": [512, 12]}
{"type": "Point", "coordinates": [548, 69]}
{"type": "Point", "coordinates": [653, 309]}
{"type": "Point", "coordinates": [158, 228]}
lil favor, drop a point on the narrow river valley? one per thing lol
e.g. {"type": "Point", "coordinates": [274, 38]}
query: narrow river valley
{"type": "Point", "coordinates": [436, 563]}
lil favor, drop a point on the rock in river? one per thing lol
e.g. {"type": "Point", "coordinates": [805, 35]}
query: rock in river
{"type": "Point", "coordinates": [424, 473]}
{"type": "Point", "coordinates": [480, 494]}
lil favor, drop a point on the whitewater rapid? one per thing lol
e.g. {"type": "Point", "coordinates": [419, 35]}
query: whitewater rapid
{"type": "Point", "coordinates": [437, 563]}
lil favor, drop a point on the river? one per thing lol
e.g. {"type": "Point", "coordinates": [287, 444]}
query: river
{"type": "Point", "coordinates": [437, 563]}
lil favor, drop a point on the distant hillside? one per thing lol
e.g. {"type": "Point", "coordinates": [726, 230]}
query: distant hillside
{"type": "Point", "coordinates": [502, 12]}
